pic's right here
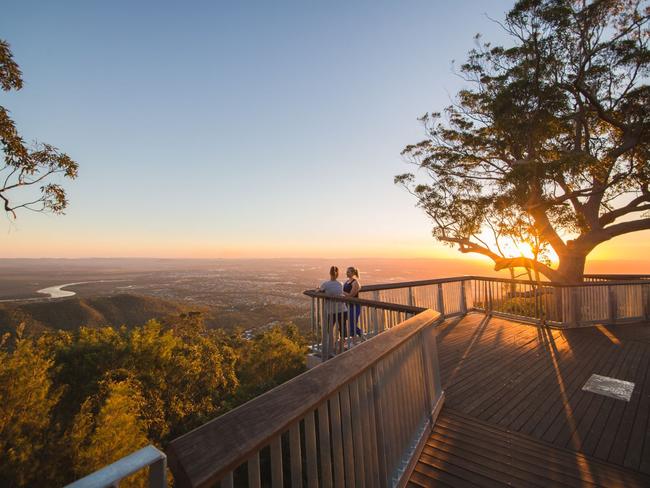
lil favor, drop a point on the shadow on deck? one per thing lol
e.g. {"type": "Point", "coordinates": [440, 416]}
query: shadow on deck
{"type": "Point", "coordinates": [516, 413]}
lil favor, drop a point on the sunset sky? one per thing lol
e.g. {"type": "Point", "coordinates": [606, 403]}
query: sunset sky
{"type": "Point", "coordinates": [239, 129]}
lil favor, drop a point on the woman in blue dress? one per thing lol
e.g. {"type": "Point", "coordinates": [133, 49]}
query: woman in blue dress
{"type": "Point", "coordinates": [351, 289]}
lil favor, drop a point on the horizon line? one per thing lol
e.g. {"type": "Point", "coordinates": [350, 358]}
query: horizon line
{"type": "Point", "coordinates": [276, 258]}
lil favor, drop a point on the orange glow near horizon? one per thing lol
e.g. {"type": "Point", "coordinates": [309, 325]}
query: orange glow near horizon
{"type": "Point", "coordinates": [626, 254]}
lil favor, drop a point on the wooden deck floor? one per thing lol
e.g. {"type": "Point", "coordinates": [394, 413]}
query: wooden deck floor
{"type": "Point", "coordinates": [515, 381]}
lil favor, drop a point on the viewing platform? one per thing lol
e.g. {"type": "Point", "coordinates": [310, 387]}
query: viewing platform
{"type": "Point", "coordinates": [467, 381]}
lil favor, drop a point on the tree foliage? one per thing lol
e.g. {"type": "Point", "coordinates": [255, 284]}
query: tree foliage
{"type": "Point", "coordinates": [27, 397]}
{"type": "Point", "coordinates": [549, 142]}
{"type": "Point", "coordinates": [109, 426]}
{"type": "Point", "coordinates": [72, 402]}
{"type": "Point", "coordinates": [27, 170]}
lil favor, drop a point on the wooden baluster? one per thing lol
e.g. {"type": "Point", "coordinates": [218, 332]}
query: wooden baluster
{"type": "Point", "coordinates": [337, 440]}
{"type": "Point", "coordinates": [406, 396]}
{"type": "Point", "coordinates": [440, 300]}
{"type": "Point", "coordinates": [314, 331]}
{"type": "Point", "coordinates": [254, 480]}
{"type": "Point", "coordinates": [311, 451]}
{"type": "Point", "coordinates": [489, 307]}
{"type": "Point", "coordinates": [612, 301]}
{"type": "Point", "coordinates": [378, 418]}
{"type": "Point", "coordinates": [390, 412]}
{"type": "Point", "coordinates": [463, 298]}
{"type": "Point", "coordinates": [356, 415]}
{"type": "Point", "coordinates": [325, 448]}
{"type": "Point", "coordinates": [372, 450]}
{"type": "Point", "coordinates": [277, 480]}
{"type": "Point", "coordinates": [295, 455]}
{"type": "Point", "coordinates": [369, 449]}
{"type": "Point", "coordinates": [397, 386]}
{"type": "Point", "coordinates": [325, 334]}
{"type": "Point", "coordinates": [158, 474]}
{"type": "Point", "coordinates": [348, 445]}
{"type": "Point", "coordinates": [227, 481]}
{"type": "Point", "coordinates": [429, 384]}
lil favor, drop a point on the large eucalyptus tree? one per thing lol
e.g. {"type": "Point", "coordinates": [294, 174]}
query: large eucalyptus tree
{"type": "Point", "coordinates": [548, 143]}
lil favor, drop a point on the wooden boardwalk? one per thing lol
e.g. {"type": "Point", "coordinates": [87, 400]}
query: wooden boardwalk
{"type": "Point", "coordinates": [510, 385]}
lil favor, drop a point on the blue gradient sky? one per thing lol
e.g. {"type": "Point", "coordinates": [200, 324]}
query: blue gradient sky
{"type": "Point", "coordinates": [210, 129]}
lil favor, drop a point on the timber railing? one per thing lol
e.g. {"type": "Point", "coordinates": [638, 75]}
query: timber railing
{"type": "Point", "coordinates": [339, 323]}
{"type": "Point", "coordinates": [615, 277]}
{"type": "Point", "coordinates": [359, 419]}
{"type": "Point", "coordinates": [600, 299]}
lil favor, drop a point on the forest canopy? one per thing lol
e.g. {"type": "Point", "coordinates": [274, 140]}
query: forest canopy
{"type": "Point", "coordinates": [72, 402]}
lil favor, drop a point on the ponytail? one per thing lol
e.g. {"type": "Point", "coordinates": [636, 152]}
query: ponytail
{"type": "Point", "coordinates": [355, 271]}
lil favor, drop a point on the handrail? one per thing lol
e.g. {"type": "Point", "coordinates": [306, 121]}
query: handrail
{"type": "Point", "coordinates": [211, 452]}
{"type": "Point", "coordinates": [111, 475]}
{"type": "Point", "coordinates": [623, 280]}
{"type": "Point", "coordinates": [404, 284]}
{"type": "Point", "coordinates": [395, 307]}
{"type": "Point", "coordinates": [563, 305]}
{"type": "Point", "coordinates": [617, 277]}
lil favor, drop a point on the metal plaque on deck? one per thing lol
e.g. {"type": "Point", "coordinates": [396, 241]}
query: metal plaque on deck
{"type": "Point", "coordinates": [611, 387]}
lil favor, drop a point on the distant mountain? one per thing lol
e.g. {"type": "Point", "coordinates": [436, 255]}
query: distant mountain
{"type": "Point", "coordinates": [99, 311]}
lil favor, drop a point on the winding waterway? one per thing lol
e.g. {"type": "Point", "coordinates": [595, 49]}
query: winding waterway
{"type": "Point", "coordinates": [58, 291]}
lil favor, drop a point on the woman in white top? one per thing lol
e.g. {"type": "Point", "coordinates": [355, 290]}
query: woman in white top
{"type": "Point", "coordinates": [334, 310]}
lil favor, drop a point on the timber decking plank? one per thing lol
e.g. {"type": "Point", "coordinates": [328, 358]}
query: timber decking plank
{"type": "Point", "coordinates": [568, 433]}
{"type": "Point", "coordinates": [521, 414]}
{"type": "Point", "coordinates": [491, 368]}
{"type": "Point", "coordinates": [594, 434]}
{"type": "Point", "coordinates": [419, 480]}
{"type": "Point", "coordinates": [500, 407]}
{"type": "Point", "coordinates": [466, 452]}
{"type": "Point", "coordinates": [441, 474]}
{"type": "Point", "coordinates": [562, 409]}
{"type": "Point", "coordinates": [557, 382]}
{"type": "Point", "coordinates": [529, 378]}
{"type": "Point", "coordinates": [565, 459]}
{"type": "Point", "coordinates": [635, 444]}
{"type": "Point", "coordinates": [604, 447]}
{"type": "Point", "coordinates": [485, 449]}
{"type": "Point", "coordinates": [494, 400]}
{"type": "Point", "coordinates": [644, 465]}
{"type": "Point", "coordinates": [624, 433]}
{"type": "Point", "coordinates": [456, 465]}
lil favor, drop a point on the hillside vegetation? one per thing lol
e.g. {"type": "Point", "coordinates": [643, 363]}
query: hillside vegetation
{"type": "Point", "coordinates": [72, 401]}
{"type": "Point", "coordinates": [72, 313]}
{"type": "Point", "coordinates": [131, 310]}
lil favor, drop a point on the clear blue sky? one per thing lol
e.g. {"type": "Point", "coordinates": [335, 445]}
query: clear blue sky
{"type": "Point", "coordinates": [234, 128]}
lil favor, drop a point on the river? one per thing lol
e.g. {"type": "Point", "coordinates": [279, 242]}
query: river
{"type": "Point", "coordinates": [58, 291]}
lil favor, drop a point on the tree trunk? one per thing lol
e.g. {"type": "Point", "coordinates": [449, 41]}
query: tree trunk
{"type": "Point", "coordinates": [572, 267]}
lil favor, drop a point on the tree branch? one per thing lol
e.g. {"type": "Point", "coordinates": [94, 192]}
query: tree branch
{"type": "Point", "coordinates": [627, 227]}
